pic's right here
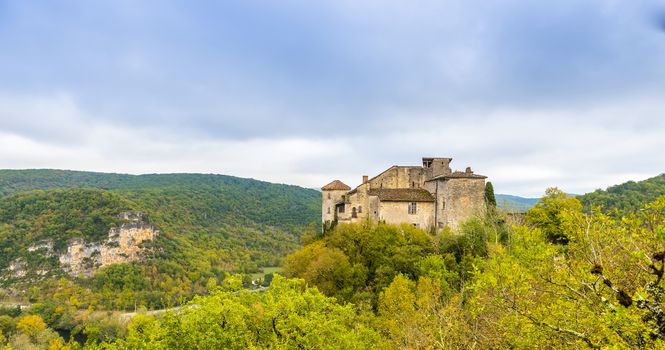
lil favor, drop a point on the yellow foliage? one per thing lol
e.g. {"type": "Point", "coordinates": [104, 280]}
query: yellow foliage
{"type": "Point", "coordinates": [31, 324]}
{"type": "Point", "coordinates": [57, 344]}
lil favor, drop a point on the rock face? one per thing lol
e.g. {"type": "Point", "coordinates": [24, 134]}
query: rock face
{"type": "Point", "coordinates": [124, 244]}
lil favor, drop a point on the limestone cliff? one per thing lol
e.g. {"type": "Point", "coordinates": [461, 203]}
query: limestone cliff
{"type": "Point", "coordinates": [125, 243]}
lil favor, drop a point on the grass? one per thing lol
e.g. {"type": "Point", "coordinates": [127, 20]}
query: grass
{"type": "Point", "coordinates": [264, 271]}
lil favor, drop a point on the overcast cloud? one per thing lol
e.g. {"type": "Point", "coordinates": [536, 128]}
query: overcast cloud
{"type": "Point", "coordinates": [567, 93]}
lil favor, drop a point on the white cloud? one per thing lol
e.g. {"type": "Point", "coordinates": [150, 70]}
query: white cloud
{"type": "Point", "coordinates": [531, 94]}
{"type": "Point", "coordinates": [54, 117]}
{"type": "Point", "coordinates": [522, 151]}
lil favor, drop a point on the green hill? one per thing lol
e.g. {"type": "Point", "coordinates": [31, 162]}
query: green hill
{"type": "Point", "coordinates": [210, 225]}
{"type": "Point", "coordinates": [626, 197]}
{"type": "Point", "coordinates": [512, 203]}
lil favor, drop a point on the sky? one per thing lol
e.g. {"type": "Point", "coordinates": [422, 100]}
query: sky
{"type": "Point", "coordinates": [532, 94]}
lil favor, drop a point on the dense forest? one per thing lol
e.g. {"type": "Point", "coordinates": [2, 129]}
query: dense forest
{"type": "Point", "coordinates": [210, 226]}
{"type": "Point", "coordinates": [564, 275]}
{"type": "Point", "coordinates": [626, 197]}
{"type": "Point", "coordinates": [561, 279]}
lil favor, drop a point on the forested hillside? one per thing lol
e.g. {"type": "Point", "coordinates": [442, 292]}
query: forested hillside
{"type": "Point", "coordinates": [210, 225]}
{"type": "Point", "coordinates": [563, 279]}
{"type": "Point", "coordinates": [559, 276]}
{"type": "Point", "coordinates": [626, 197]}
{"type": "Point", "coordinates": [246, 199]}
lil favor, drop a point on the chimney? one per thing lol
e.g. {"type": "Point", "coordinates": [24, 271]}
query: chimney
{"type": "Point", "coordinates": [468, 170]}
{"type": "Point", "coordinates": [365, 179]}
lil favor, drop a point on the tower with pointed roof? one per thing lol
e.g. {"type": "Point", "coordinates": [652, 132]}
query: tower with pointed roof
{"type": "Point", "coordinates": [332, 193]}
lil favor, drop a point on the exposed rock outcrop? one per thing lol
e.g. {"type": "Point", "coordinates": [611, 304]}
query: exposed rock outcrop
{"type": "Point", "coordinates": [124, 244]}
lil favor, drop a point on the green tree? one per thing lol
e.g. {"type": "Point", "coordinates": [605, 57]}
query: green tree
{"type": "Point", "coordinates": [356, 261]}
{"type": "Point", "coordinates": [490, 199]}
{"type": "Point", "coordinates": [288, 315]}
{"type": "Point", "coordinates": [7, 325]}
{"type": "Point", "coordinates": [546, 214]}
{"type": "Point", "coordinates": [604, 289]}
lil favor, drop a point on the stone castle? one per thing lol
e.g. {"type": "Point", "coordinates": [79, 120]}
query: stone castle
{"type": "Point", "coordinates": [431, 196]}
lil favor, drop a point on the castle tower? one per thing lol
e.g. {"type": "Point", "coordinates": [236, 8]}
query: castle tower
{"type": "Point", "coordinates": [333, 193]}
{"type": "Point", "coordinates": [434, 167]}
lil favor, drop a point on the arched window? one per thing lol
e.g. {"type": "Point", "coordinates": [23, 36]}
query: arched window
{"type": "Point", "coordinates": [354, 214]}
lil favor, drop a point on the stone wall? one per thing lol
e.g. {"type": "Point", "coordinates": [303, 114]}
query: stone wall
{"type": "Point", "coordinates": [399, 177]}
{"type": "Point", "coordinates": [398, 213]}
{"type": "Point", "coordinates": [328, 204]}
{"type": "Point", "coordinates": [358, 200]}
{"type": "Point", "coordinates": [441, 166]}
{"type": "Point", "coordinates": [460, 199]}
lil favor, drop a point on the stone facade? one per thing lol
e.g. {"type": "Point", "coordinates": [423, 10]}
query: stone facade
{"type": "Point", "coordinates": [430, 196]}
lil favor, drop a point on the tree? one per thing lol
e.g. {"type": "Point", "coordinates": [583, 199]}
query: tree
{"type": "Point", "coordinates": [603, 289]}
{"type": "Point", "coordinates": [31, 325]}
{"type": "Point", "coordinates": [490, 199]}
{"type": "Point", "coordinates": [411, 314]}
{"type": "Point", "coordinates": [546, 214]}
{"type": "Point", "coordinates": [288, 315]}
{"type": "Point", "coordinates": [7, 325]}
{"type": "Point", "coordinates": [356, 261]}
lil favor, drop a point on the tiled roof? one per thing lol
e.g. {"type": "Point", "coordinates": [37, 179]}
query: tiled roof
{"type": "Point", "coordinates": [335, 186]}
{"type": "Point", "coordinates": [402, 195]}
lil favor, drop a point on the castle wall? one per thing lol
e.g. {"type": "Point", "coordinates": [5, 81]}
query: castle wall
{"type": "Point", "coordinates": [358, 200]}
{"type": "Point", "coordinates": [328, 204]}
{"type": "Point", "coordinates": [399, 177]}
{"type": "Point", "coordinates": [441, 166]}
{"type": "Point", "coordinates": [373, 212]}
{"type": "Point", "coordinates": [398, 213]}
{"type": "Point", "coordinates": [438, 190]}
{"type": "Point", "coordinates": [460, 199]}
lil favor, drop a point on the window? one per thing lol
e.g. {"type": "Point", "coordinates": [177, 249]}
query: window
{"type": "Point", "coordinates": [412, 208]}
{"type": "Point", "coordinates": [360, 209]}
{"type": "Point", "coordinates": [354, 213]}
{"type": "Point", "coordinates": [328, 195]}
{"type": "Point", "coordinates": [413, 184]}
{"type": "Point", "coordinates": [341, 208]}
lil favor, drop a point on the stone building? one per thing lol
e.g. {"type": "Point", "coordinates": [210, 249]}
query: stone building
{"type": "Point", "coordinates": [430, 196]}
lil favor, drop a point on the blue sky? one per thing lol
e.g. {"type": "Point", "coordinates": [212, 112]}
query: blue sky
{"type": "Point", "coordinates": [567, 93]}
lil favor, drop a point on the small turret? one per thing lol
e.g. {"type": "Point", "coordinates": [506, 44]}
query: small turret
{"type": "Point", "coordinates": [333, 193]}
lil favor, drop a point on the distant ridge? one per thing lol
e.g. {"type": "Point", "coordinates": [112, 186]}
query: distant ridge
{"type": "Point", "coordinates": [516, 204]}
{"type": "Point", "coordinates": [626, 197]}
